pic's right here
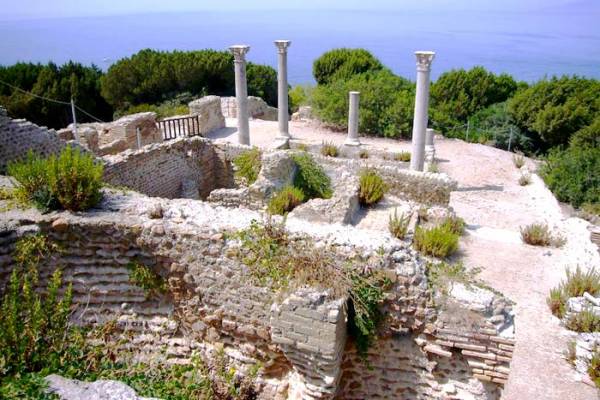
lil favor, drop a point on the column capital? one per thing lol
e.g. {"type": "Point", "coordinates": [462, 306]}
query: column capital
{"type": "Point", "coordinates": [239, 52]}
{"type": "Point", "coordinates": [424, 59]}
{"type": "Point", "coordinates": [282, 45]}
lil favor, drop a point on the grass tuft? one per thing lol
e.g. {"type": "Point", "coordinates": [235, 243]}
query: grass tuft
{"type": "Point", "coordinates": [398, 224]}
{"type": "Point", "coordinates": [438, 241]}
{"type": "Point", "coordinates": [285, 200]}
{"type": "Point", "coordinates": [540, 235]}
{"type": "Point", "coordinates": [329, 149]}
{"type": "Point", "coordinates": [403, 156]}
{"type": "Point", "coordinates": [371, 187]}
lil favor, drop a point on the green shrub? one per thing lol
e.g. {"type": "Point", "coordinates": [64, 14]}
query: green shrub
{"type": "Point", "coordinates": [438, 241]}
{"type": "Point", "coordinates": [144, 277]}
{"type": "Point", "coordinates": [402, 156]}
{"type": "Point", "coordinates": [248, 165]}
{"type": "Point", "coordinates": [518, 160]}
{"type": "Point", "coordinates": [398, 225]}
{"type": "Point", "coordinates": [386, 103]}
{"type": "Point", "coordinates": [163, 110]}
{"type": "Point", "coordinates": [540, 235]}
{"type": "Point", "coordinates": [454, 224]}
{"type": "Point", "coordinates": [300, 95]}
{"type": "Point", "coordinates": [575, 285]}
{"type": "Point", "coordinates": [371, 187]}
{"type": "Point", "coordinates": [328, 149]}
{"type": "Point", "coordinates": [285, 200]}
{"type": "Point", "coordinates": [588, 136]}
{"type": "Point", "coordinates": [458, 94]}
{"type": "Point", "coordinates": [572, 175]}
{"type": "Point", "coordinates": [71, 181]}
{"type": "Point", "coordinates": [311, 178]}
{"type": "Point", "coordinates": [262, 82]}
{"type": "Point", "coordinates": [585, 321]}
{"type": "Point", "coordinates": [552, 110]}
{"type": "Point", "coordinates": [342, 64]}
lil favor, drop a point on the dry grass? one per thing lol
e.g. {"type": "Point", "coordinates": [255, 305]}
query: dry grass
{"type": "Point", "coordinates": [398, 224]}
{"type": "Point", "coordinates": [540, 235]}
{"type": "Point", "coordinates": [329, 149]}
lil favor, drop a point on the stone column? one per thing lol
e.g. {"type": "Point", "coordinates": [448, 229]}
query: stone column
{"type": "Point", "coordinates": [241, 92]}
{"type": "Point", "coordinates": [282, 89]}
{"type": "Point", "coordinates": [429, 146]}
{"type": "Point", "coordinates": [352, 139]}
{"type": "Point", "coordinates": [424, 59]}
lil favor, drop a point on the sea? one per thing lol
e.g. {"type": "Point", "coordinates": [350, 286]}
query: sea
{"type": "Point", "coordinates": [527, 45]}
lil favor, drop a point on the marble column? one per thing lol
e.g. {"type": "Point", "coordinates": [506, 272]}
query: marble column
{"type": "Point", "coordinates": [429, 146]}
{"type": "Point", "coordinates": [241, 92]}
{"type": "Point", "coordinates": [424, 59]}
{"type": "Point", "coordinates": [352, 139]}
{"type": "Point", "coordinates": [282, 90]}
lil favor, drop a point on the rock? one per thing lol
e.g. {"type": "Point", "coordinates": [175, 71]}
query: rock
{"type": "Point", "coordinates": [60, 225]}
{"type": "Point", "coordinates": [208, 110]}
{"type": "Point", "coordinates": [70, 389]}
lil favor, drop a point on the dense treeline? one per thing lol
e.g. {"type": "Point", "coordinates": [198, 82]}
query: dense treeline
{"type": "Point", "coordinates": [55, 82]}
{"type": "Point", "coordinates": [557, 118]}
{"type": "Point", "coordinates": [148, 80]}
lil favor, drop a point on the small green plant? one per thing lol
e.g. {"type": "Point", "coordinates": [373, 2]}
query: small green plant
{"type": "Point", "coordinates": [329, 149]}
{"type": "Point", "coordinates": [571, 352]}
{"type": "Point", "coordinates": [454, 224]}
{"type": "Point", "coordinates": [248, 165]}
{"type": "Point", "coordinates": [441, 274]}
{"type": "Point", "coordinates": [594, 367]}
{"type": "Point", "coordinates": [403, 156]}
{"type": "Point", "coordinates": [433, 168]}
{"type": "Point", "coordinates": [585, 321]}
{"type": "Point", "coordinates": [302, 147]}
{"type": "Point", "coordinates": [398, 224]}
{"type": "Point", "coordinates": [371, 187]}
{"type": "Point", "coordinates": [285, 200]}
{"type": "Point", "coordinates": [438, 241]}
{"type": "Point", "coordinates": [575, 285]}
{"type": "Point", "coordinates": [144, 277]}
{"type": "Point", "coordinates": [71, 181]}
{"type": "Point", "coordinates": [364, 154]}
{"type": "Point", "coordinates": [524, 179]}
{"type": "Point", "coordinates": [518, 160]}
{"type": "Point", "coordinates": [540, 235]}
{"type": "Point", "coordinates": [311, 178]}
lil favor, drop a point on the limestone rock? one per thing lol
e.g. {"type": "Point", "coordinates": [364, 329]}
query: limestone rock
{"type": "Point", "coordinates": [70, 389]}
{"type": "Point", "coordinates": [208, 109]}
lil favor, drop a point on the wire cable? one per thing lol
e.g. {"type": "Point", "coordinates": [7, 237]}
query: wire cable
{"type": "Point", "coordinates": [87, 113]}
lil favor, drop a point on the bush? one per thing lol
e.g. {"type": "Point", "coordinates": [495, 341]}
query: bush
{"type": "Point", "coordinates": [386, 103]}
{"type": "Point", "coordinates": [540, 235]}
{"type": "Point", "coordinates": [588, 136]}
{"type": "Point", "coordinates": [300, 95]}
{"type": "Point", "coordinates": [585, 321]}
{"type": "Point", "coordinates": [262, 82]}
{"type": "Point", "coordinates": [398, 225]}
{"type": "Point", "coordinates": [285, 200]}
{"type": "Point", "coordinates": [328, 149]}
{"type": "Point", "coordinates": [438, 241]}
{"type": "Point", "coordinates": [71, 181]}
{"type": "Point", "coordinates": [454, 224]}
{"type": "Point", "coordinates": [371, 187]}
{"type": "Point", "coordinates": [575, 285]}
{"type": "Point", "coordinates": [402, 156]}
{"type": "Point", "coordinates": [343, 64]}
{"type": "Point", "coordinates": [552, 110]}
{"type": "Point", "coordinates": [572, 175]}
{"type": "Point", "coordinates": [163, 110]}
{"type": "Point", "coordinates": [311, 178]}
{"type": "Point", "coordinates": [248, 165]}
{"type": "Point", "coordinates": [458, 94]}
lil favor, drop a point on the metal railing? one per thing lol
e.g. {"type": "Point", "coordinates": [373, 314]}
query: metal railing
{"type": "Point", "coordinates": [173, 128]}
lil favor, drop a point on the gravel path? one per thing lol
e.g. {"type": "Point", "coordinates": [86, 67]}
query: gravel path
{"type": "Point", "coordinates": [494, 207]}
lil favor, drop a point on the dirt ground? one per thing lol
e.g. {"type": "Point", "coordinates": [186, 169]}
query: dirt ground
{"type": "Point", "coordinates": [494, 207]}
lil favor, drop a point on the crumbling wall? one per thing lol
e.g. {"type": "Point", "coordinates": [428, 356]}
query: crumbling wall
{"type": "Point", "coordinates": [183, 168]}
{"type": "Point", "coordinates": [18, 136]}
{"type": "Point", "coordinates": [208, 110]}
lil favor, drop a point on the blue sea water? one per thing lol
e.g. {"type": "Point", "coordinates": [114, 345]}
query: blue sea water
{"type": "Point", "coordinates": [527, 45]}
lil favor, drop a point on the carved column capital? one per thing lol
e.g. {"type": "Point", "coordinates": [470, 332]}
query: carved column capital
{"type": "Point", "coordinates": [239, 52]}
{"type": "Point", "coordinates": [424, 59]}
{"type": "Point", "coordinates": [282, 45]}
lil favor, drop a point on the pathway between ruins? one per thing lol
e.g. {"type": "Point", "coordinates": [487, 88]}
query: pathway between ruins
{"type": "Point", "coordinates": [494, 206]}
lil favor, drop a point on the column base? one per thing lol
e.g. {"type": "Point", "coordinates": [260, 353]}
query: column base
{"type": "Point", "coordinates": [352, 142]}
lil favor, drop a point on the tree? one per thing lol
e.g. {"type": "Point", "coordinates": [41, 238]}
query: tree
{"type": "Point", "coordinates": [458, 94]}
{"type": "Point", "coordinates": [552, 110]}
{"type": "Point", "coordinates": [343, 64]}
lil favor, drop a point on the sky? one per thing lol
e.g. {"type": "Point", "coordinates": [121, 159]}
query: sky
{"type": "Point", "coordinates": [11, 9]}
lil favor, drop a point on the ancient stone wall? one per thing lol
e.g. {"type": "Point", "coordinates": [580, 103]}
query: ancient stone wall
{"type": "Point", "coordinates": [182, 168]}
{"type": "Point", "coordinates": [18, 136]}
{"type": "Point", "coordinates": [208, 110]}
{"type": "Point", "coordinates": [257, 108]}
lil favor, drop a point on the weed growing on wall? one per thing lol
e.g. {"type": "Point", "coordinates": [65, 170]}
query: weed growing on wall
{"type": "Point", "coordinates": [144, 277]}
{"type": "Point", "coordinates": [248, 165]}
{"type": "Point", "coordinates": [438, 241]}
{"type": "Point", "coordinates": [329, 149]}
{"type": "Point", "coordinates": [454, 224]}
{"type": "Point", "coordinates": [585, 321]}
{"type": "Point", "coordinates": [398, 224]}
{"type": "Point", "coordinates": [575, 285]}
{"type": "Point", "coordinates": [284, 264]}
{"type": "Point", "coordinates": [285, 200]}
{"type": "Point", "coordinates": [371, 187]}
{"type": "Point", "coordinates": [71, 181]}
{"type": "Point", "coordinates": [311, 178]}
{"type": "Point", "coordinates": [594, 367]}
